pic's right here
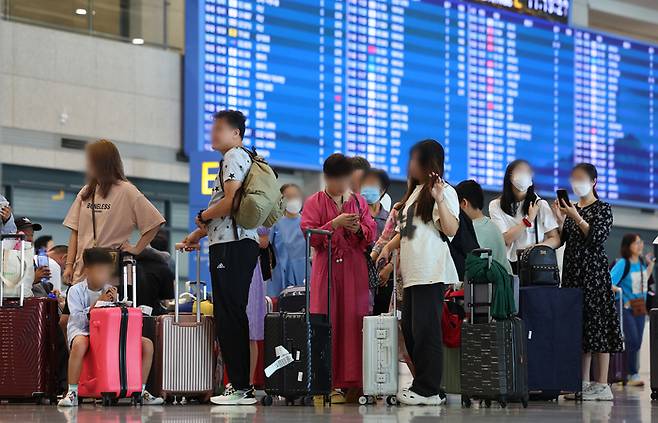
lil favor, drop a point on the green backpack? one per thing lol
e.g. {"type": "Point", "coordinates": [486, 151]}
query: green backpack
{"type": "Point", "coordinates": [258, 202]}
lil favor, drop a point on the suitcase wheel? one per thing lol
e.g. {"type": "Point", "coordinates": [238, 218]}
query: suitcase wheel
{"type": "Point", "coordinates": [487, 403]}
{"type": "Point", "coordinates": [290, 401]}
{"type": "Point", "coordinates": [503, 403]}
{"type": "Point", "coordinates": [267, 400]}
{"type": "Point", "coordinates": [136, 399]}
{"type": "Point", "coordinates": [466, 401]}
{"type": "Point", "coordinates": [363, 400]}
{"type": "Point", "coordinates": [654, 395]}
{"type": "Point", "coordinates": [307, 400]}
{"type": "Point", "coordinates": [391, 400]}
{"type": "Point", "coordinates": [524, 402]}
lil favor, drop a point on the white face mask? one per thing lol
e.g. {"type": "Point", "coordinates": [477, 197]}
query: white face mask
{"type": "Point", "coordinates": [581, 188]}
{"type": "Point", "coordinates": [522, 181]}
{"type": "Point", "coordinates": [294, 205]}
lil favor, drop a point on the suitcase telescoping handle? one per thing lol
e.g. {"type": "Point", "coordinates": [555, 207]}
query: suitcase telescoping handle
{"type": "Point", "coordinates": [21, 238]}
{"type": "Point", "coordinates": [129, 275]}
{"type": "Point", "coordinates": [180, 247]}
{"type": "Point", "coordinates": [621, 316]}
{"type": "Point", "coordinates": [307, 235]}
{"type": "Point", "coordinates": [479, 252]}
{"type": "Point", "coordinates": [395, 283]}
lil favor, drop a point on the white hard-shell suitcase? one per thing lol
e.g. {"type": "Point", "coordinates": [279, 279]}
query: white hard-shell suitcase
{"type": "Point", "coordinates": [380, 352]}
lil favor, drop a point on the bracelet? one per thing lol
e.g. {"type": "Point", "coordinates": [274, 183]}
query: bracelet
{"type": "Point", "coordinates": [527, 223]}
{"type": "Point", "coordinates": [199, 216]}
{"type": "Point", "coordinates": [580, 222]}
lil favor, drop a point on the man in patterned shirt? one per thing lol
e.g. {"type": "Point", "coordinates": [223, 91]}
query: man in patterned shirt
{"type": "Point", "coordinates": [233, 256]}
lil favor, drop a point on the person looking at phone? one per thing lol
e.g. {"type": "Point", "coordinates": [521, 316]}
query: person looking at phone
{"type": "Point", "coordinates": [585, 229]}
{"type": "Point", "coordinates": [7, 225]}
{"type": "Point", "coordinates": [521, 215]}
{"type": "Point", "coordinates": [429, 209]}
{"type": "Point", "coordinates": [345, 213]}
{"type": "Point", "coordinates": [82, 297]}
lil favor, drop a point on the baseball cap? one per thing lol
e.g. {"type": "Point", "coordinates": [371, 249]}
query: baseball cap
{"type": "Point", "coordinates": [24, 223]}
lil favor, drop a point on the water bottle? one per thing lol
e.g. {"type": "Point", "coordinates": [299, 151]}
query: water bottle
{"type": "Point", "coordinates": [42, 261]}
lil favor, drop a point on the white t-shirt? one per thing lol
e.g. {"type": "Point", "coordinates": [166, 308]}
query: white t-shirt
{"type": "Point", "coordinates": [424, 256]}
{"type": "Point", "coordinates": [236, 165]}
{"type": "Point", "coordinates": [545, 220]}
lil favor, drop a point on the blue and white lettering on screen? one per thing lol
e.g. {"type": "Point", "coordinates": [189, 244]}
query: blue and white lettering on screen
{"type": "Point", "coordinates": [319, 76]}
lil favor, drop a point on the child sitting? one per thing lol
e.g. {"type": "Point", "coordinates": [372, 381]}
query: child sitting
{"type": "Point", "coordinates": [82, 297]}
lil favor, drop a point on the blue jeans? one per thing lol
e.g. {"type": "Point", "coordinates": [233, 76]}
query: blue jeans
{"type": "Point", "coordinates": [633, 331]}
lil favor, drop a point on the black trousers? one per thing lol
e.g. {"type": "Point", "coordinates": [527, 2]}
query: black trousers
{"type": "Point", "coordinates": [422, 306]}
{"type": "Point", "coordinates": [231, 269]}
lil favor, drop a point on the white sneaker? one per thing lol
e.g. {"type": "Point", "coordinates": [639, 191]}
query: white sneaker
{"type": "Point", "coordinates": [586, 386]}
{"type": "Point", "coordinates": [598, 392]}
{"type": "Point", "coordinates": [69, 400]}
{"type": "Point", "coordinates": [409, 397]}
{"type": "Point", "coordinates": [235, 397]}
{"type": "Point", "coordinates": [148, 399]}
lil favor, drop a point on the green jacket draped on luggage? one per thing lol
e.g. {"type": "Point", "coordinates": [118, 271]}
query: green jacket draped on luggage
{"type": "Point", "coordinates": [502, 303]}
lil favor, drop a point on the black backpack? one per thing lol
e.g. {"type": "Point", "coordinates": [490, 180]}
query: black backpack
{"type": "Point", "coordinates": [538, 266]}
{"type": "Point", "coordinates": [462, 243]}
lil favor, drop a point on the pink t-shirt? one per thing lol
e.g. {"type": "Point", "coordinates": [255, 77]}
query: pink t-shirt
{"type": "Point", "coordinates": [123, 210]}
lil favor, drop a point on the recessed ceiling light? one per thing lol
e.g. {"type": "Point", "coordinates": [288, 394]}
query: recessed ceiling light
{"type": "Point", "coordinates": [81, 11]}
{"type": "Point", "coordinates": [138, 41]}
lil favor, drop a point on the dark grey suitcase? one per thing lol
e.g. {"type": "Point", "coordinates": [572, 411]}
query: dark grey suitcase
{"type": "Point", "coordinates": [494, 362]}
{"type": "Point", "coordinates": [298, 346]}
{"type": "Point", "coordinates": [653, 351]}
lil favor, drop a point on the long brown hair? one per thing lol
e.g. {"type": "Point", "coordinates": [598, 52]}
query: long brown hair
{"type": "Point", "coordinates": [104, 158]}
{"type": "Point", "coordinates": [430, 156]}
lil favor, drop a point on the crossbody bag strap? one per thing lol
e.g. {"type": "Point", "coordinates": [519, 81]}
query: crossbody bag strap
{"type": "Point", "coordinates": [537, 229]}
{"type": "Point", "coordinates": [93, 215]}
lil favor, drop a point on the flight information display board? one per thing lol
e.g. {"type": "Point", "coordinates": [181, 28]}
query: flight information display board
{"type": "Point", "coordinates": [371, 77]}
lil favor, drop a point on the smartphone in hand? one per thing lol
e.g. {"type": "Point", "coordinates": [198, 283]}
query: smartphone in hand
{"type": "Point", "coordinates": [562, 196]}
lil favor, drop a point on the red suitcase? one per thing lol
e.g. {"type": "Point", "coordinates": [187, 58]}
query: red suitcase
{"type": "Point", "coordinates": [28, 356]}
{"type": "Point", "coordinates": [112, 368]}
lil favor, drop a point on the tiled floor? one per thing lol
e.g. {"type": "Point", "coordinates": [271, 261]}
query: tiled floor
{"type": "Point", "coordinates": [630, 405]}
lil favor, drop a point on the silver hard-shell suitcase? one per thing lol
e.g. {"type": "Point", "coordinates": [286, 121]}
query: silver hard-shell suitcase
{"type": "Point", "coordinates": [380, 352]}
{"type": "Point", "coordinates": [184, 359]}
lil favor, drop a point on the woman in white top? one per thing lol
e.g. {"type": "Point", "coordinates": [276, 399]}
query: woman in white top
{"type": "Point", "coordinates": [429, 208]}
{"type": "Point", "coordinates": [523, 217]}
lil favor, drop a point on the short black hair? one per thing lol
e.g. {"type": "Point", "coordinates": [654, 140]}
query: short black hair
{"type": "Point", "coordinates": [384, 180]}
{"type": "Point", "coordinates": [96, 255]}
{"type": "Point", "coordinates": [359, 163]}
{"type": "Point", "coordinates": [284, 187]}
{"type": "Point", "coordinates": [42, 242]}
{"type": "Point", "coordinates": [337, 165]}
{"type": "Point", "coordinates": [472, 192]}
{"type": "Point", "coordinates": [235, 118]}
{"type": "Point", "coordinates": [60, 249]}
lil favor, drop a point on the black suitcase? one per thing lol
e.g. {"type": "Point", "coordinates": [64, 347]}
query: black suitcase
{"type": "Point", "coordinates": [553, 319]}
{"type": "Point", "coordinates": [293, 299]}
{"type": "Point", "coordinates": [653, 352]}
{"type": "Point", "coordinates": [494, 362]}
{"type": "Point", "coordinates": [537, 265]}
{"type": "Point", "coordinates": [298, 346]}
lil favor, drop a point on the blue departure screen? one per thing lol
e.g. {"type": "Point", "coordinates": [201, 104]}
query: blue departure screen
{"type": "Point", "coordinates": [371, 77]}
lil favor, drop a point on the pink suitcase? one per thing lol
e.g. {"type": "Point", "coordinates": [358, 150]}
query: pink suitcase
{"type": "Point", "coordinates": [112, 368]}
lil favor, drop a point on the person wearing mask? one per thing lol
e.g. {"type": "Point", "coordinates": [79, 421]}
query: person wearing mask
{"type": "Point", "coordinates": [288, 242]}
{"type": "Point", "coordinates": [344, 213]}
{"type": "Point", "coordinates": [359, 167]}
{"type": "Point", "coordinates": [522, 217]}
{"type": "Point", "coordinates": [471, 201]}
{"type": "Point", "coordinates": [374, 185]}
{"type": "Point", "coordinates": [585, 227]}
{"type": "Point", "coordinates": [107, 210]}
{"type": "Point", "coordinates": [233, 254]}
{"type": "Point", "coordinates": [7, 225]}
{"type": "Point", "coordinates": [631, 273]}
{"type": "Point", "coordinates": [429, 208]}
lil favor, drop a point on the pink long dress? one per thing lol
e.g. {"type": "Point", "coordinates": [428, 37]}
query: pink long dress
{"type": "Point", "coordinates": [349, 289]}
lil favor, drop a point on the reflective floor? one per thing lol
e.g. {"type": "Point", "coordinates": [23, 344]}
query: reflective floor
{"type": "Point", "coordinates": [630, 405]}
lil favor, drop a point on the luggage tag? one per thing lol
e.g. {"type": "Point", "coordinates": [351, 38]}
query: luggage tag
{"type": "Point", "coordinates": [284, 358]}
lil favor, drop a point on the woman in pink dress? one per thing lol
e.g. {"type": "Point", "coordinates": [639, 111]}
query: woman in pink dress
{"type": "Point", "coordinates": [346, 214]}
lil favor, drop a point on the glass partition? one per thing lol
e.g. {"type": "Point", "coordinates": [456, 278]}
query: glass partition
{"type": "Point", "coordinates": [151, 22]}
